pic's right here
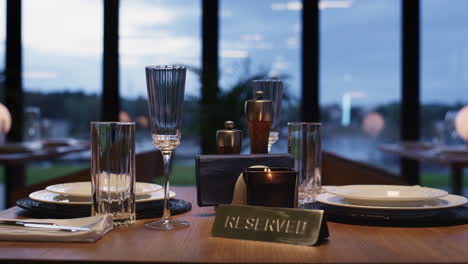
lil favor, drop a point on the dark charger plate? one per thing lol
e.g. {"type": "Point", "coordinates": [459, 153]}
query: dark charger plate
{"type": "Point", "coordinates": [400, 218]}
{"type": "Point", "coordinates": [152, 209]}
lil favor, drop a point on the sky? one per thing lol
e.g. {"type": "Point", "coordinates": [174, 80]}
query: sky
{"type": "Point", "coordinates": [359, 47]}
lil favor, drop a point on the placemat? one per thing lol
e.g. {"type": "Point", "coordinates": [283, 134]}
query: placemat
{"type": "Point", "coordinates": [152, 209]}
{"type": "Point", "coordinates": [398, 218]}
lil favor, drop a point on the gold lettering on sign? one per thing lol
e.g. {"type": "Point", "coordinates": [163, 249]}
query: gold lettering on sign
{"type": "Point", "coordinates": [250, 222]}
{"type": "Point", "coordinates": [304, 226]}
{"type": "Point", "coordinates": [287, 226]}
{"type": "Point", "coordinates": [259, 224]}
{"type": "Point", "coordinates": [279, 227]}
{"type": "Point", "coordinates": [239, 223]}
{"type": "Point", "coordinates": [230, 221]}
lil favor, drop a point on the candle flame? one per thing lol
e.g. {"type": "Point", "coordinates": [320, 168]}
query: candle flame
{"type": "Point", "coordinates": [269, 175]}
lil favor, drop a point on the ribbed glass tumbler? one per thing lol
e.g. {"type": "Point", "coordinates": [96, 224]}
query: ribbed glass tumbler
{"type": "Point", "coordinates": [113, 170]}
{"type": "Point", "coordinates": [304, 143]}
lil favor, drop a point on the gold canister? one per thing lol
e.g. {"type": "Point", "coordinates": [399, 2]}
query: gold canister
{"type": "Point", "coordinates": [229, 140]}
{"type": "Point", "coordinates": [259, 113]}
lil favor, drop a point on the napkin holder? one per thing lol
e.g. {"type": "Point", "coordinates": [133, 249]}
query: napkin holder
{"type": "Point", "coordinates": [216, 175]}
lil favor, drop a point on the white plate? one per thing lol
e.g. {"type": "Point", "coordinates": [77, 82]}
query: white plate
{"type": "Point", "coordinates": [50, 197]}
{"type": "Point", "coordinates": [386, 193]}
{"type": "Point", "coordinates": [83, 189]}
{"type": "Point", "coordinates": [440, 203]}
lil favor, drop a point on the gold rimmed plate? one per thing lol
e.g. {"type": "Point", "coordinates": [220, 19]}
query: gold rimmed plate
{"type": "Point", "coordinates": [50, 197]}
{"type": "Point", "coordinates": [83, 189]}
{"type": "Point", "coordinates": [448, 201]}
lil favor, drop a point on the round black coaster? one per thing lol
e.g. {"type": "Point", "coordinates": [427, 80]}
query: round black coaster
{"type": "Point", "coordinates": [397, 218]}
{"type": "Point", "coordinates": [145, 210]}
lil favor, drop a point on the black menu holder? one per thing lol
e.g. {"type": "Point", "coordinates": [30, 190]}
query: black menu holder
{"type": "Point", "coordinates": [216, 175]}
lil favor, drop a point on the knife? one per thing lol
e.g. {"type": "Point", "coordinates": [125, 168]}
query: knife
{"type": "Point", "coordinates": [44, 225]}
{"type": "Point", "coordinates": [57, 227]}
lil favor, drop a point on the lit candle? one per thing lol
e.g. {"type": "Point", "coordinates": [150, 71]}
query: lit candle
{"type": "Point", "coordinates": [275, 187]}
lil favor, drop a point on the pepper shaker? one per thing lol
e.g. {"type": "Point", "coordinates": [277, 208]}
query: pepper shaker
{"type": "Point", "coordinates": [229, 140]}
{"type": "Point", "coordinates": [259, 113]}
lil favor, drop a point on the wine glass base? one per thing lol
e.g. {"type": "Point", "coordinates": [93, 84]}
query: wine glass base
{"type": "Point", "coordinates": [165, 225]}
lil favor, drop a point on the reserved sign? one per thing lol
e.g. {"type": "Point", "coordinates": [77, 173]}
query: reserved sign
{"type": "Point", "coordinates": [271, 224]}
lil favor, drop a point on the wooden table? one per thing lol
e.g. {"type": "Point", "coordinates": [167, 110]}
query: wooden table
{"type": "Point", "coordinates": [347, 243]}
{"type": "Point", "coordinates": [14, 164]}
{"type": "Point", "coordinates": [428, 153]}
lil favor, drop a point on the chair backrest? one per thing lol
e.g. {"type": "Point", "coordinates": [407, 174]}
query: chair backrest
{"type": "Point", "coordinates": [148, 166]}
{"type": "Point", "coordinates": [337, 170]}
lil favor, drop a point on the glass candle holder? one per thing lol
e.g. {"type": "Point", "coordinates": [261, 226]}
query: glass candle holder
{"type": "Point", "coordinates": [273, 187]}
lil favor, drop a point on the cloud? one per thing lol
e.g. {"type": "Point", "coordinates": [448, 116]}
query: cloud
{"type": "Point", "coordinates": [69, 27]}
{"type": "Point", "coordinates": [75, 28]}
{"type": "Point", "coordinates": [40, 75]}
{"type": "Point", "coordinates": [234, 54]}
{"type": "Point", "coordinates": [297, 5]}
{"type": "Point", "coordinates": [165, 45]}
{"type": "Point", "coordinates": [292, 43]}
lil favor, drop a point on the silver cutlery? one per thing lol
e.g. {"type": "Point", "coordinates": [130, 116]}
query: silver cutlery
{"type": "Point", "coordinates": [32, 224]}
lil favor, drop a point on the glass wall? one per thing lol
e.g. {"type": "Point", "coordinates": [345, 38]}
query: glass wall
{"type": "Point", "coordinates": [62, 74]}
{"type": "Point", "coordinates": [360, 78]}
{"type": "Point", "coordinates": [261, 39]}
{"type": "Point", "coordinates": [161, 32]}
{"type": "Point", "coordinates": [2, 43]}
{"type": "Point", "coordinates": [2, 68]}
{"type": "Point", "coordinates": [444, 77]}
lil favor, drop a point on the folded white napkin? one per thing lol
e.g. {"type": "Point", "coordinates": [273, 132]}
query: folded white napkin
{"type": "Point", "coordinates": [99, 225]}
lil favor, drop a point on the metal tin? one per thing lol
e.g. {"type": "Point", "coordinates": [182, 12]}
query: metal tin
{"type": "Point", "coordinates": [229, 140]}
{"type": "Point", "coordinates": [259, 109]}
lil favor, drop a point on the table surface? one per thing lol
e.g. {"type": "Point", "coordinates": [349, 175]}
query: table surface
{"type": "Point", "coordinates": [425, 152]}
{"type": "Point", "coordinates": [347, 243]}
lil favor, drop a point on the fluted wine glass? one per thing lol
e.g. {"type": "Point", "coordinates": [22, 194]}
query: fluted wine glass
{"type": "Point", "coordinates": [166, 87]}
{"type": "Point", "coordinates": [272, 90]}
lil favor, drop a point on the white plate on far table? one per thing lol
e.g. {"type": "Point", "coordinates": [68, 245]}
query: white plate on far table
{"type": "Point", "coordinates": [385, 193]}
{"type": "Point", "coordinates": [440, 203]}
{"type": "Point", "coordinates": [50, 197]}
{"type": "Point", "coordinates": [83, 189]}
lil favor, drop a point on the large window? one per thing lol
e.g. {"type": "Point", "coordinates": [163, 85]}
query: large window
{"type": "Point", "coordinates": [360, 78]}
{"type": "Point", "coordinates": [161, 32]}
{"type": "Point", "coordinates": [62, 74]}
{"type": "Point", "coordinates": [62, 63]}
{"type": "Point", "coordinates": [444, 76]}
{"type": "Point", "coordinates": [261, 39]}
{"type": "Point", "coordinates": [2, 39]}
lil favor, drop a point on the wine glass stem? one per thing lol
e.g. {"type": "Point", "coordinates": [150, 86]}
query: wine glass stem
{"type": "Point", "coordinates": [167, 163]}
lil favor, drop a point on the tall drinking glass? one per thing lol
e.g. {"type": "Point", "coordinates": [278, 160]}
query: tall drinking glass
{"type": "Point", "coordinates": [113, 170]}
{"type": "Point", "coordinates": [304, 143]}
{"type": "Point", "coordinates": [272, 90]}
{"type": "Point", "coordinates": [32, 123]}
{"type": "Point", "coordinates": [166, 87]}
